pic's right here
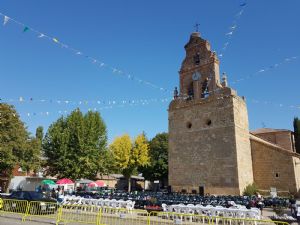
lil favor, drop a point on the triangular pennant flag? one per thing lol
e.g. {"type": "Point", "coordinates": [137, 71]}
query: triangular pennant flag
{"type": "Point", "coordinates": [240, 13]}
{"type": "Point", "coordinates": [6, 19]}
{"type": "Point", "coordinates": [25, 29]}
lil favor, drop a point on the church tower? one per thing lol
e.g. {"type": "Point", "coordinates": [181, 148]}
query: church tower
{"type": "Point", "coordinates": [209, 146]}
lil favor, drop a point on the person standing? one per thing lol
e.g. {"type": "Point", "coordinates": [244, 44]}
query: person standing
{"type": "Point", "coordinates": [259, 202]}
{"type": "Point", "coordinates": [53, 194]}
{"type": "Point", "coordinates": [293, 207]}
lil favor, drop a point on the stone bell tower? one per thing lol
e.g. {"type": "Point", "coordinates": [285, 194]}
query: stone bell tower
{"type": "Point", "coordinates": [209, 146]}
{"type": "Point", "coordinates": [199, 71]}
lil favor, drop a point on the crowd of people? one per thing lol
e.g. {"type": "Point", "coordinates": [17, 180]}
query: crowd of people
{"type": "Point", "coordinates": [55, 193]}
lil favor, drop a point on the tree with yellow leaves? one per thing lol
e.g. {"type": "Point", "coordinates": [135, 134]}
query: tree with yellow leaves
{"type": "Point", "coordinates": [128, 155]}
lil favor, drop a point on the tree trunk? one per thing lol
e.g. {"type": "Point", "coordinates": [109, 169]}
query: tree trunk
{"type": "Point", "coordinates": [6, 186]}
{"type": "Point", "coordinates": [129, 184]}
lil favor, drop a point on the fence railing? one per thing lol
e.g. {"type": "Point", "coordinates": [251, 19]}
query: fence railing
{"type": "Point", "coordinates": [90, 214]}
{"type": "Point", "coordinates": [79, 213]}
{"type": "Point", "coordinates": [163, 218]}
{"type": "Point", "coordinates": [12, 206]}
{"type": "Point", "coordinates": [42, 209]}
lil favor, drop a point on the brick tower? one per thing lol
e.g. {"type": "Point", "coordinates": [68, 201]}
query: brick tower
{"type": "Point", "coordinates": [209, 147]}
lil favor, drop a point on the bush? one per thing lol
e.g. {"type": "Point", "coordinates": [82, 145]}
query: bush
{"type": "Point", "coordinates": [250, 190]}
{"type": "Point", "coordinates": [278, 210]}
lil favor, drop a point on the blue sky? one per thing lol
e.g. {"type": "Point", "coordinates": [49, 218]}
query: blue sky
{"type": "Point", "coordinates": [146, 39]}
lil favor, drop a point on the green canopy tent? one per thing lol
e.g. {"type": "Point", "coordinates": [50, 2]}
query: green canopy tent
{"type": "Point", "coordinates": [48, 182]}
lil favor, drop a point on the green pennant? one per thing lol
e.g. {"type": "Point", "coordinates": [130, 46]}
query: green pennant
{"type": "Point", "coordinates": [25, 29]}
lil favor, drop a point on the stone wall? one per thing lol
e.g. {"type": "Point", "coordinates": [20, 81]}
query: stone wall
{"type": "Point", "coordinates": [204, 137]}
{"type": "Point", "coordinates": [274, 166]}
{"type": "Point", "coordinates": [281, 138]}
{"type": "Point", "coordinates": [296, 161]}
{"type": "Point", "coordinates": [243, 148]}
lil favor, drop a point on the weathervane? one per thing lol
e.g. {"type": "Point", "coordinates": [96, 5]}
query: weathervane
{"type": "Point", "coordinates": [197, 27]}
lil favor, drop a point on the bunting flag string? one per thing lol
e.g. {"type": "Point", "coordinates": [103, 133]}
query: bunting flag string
{"type": "Point", "coordinates": [268, 68]}
{"type": "Point", "coordinates": [148, 102]}
{"type": "Point", "coordinates": [22, 100]}
{"type": "Point", "coordinates": [232, 29]}
{"type": "Point", "coordinates": [281, 105]}
{"type": "Point", "coordinates": [97, 62]}
{"type": "Point", "coordinates": [255, 101]}
{"type": "Point", "coordinates": [112, 105]}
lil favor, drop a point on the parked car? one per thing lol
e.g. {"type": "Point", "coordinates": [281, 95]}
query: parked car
{"type": "Point", "coordinates": [40, 203]}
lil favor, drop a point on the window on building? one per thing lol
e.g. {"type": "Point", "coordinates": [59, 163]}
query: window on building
{"type": "Point", "coordinates": [208, 122]}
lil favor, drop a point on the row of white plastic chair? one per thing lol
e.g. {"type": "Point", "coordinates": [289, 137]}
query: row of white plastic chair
{"type": "Point", "coordinates": [238, 212]}
{"type": "Point", "coordinates": [111, 203]}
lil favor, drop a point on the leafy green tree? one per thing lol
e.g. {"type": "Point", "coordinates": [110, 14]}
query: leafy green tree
{"type": "Point", "coordinates": [250, 189]}
{"type": "Point", "coordinates": [297, 134]}
{"type": "Point", "coordinates": [129, 156]}
{"type": "Point", "coordinates": [75, 146]}
{"type": "Point", "coordinates": [16, 147]}
{"type": "Point", "coordinates": [39, 134]}
{"type": "Point", "coordinates": [31, 155]}
{"type": "Point", "coordinates": [158, 166]}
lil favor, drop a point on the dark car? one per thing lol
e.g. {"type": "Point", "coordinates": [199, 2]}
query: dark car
{"type": "Point", "coordinates": [39, 202]}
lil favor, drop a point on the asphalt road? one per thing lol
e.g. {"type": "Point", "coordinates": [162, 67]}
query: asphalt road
{"type": "Point", "coordinates": [5, 220]}
{"type": "Point", "coordinates": [11, 220]}
{"type": "Point", "coordinates": [108, 219]}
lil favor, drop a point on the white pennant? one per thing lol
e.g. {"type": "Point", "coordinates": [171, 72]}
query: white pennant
{"type": "Point", "coordinates": [6, 19]}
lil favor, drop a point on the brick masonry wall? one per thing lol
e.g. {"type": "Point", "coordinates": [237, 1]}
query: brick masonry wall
{"type": "Point", "coordinates": [281, 138]}
{"type": "Point", "coordinates": [269, 160]}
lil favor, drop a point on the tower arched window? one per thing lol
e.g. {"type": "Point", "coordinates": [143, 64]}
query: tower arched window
{"type": "Point", "coordinates": [191, 90]}
{"type": "Point", "coordinates": [197, 58]}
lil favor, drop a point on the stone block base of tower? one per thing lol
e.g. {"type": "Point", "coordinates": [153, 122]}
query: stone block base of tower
{"type": "Point", "coordinates": [209, 146]}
